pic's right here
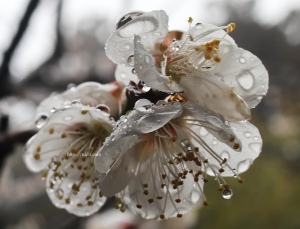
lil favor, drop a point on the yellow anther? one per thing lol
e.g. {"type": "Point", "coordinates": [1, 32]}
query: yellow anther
{"type": "Point", "coordinates": [190, 20]}
{"type": "Point", "coordinates": [217, 59]}
{"type": "Point", "coordinates": [230, 27]}
{"type": "Point", "coordinates": [51, 131]}
{"type": "Point", "coordinates": [37, 156]}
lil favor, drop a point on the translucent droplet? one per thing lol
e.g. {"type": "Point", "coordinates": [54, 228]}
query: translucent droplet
{"type": "Point", "coordinates": [71, 86]}
{"type": "Point", "coordinates": [147, 59]}
{"type": "Point", "coordinates": [227, 193]}
{"type": "Point", "coordinates": [256, 147]}
{"type": "Point", "coordinates": [127, 18]}
{"type": "Point", "coordinates": [157, 34]}
{"type": "Point", "coordinates": [75, 102]}
{"type": "Point", "coordinates": [194, 197]}
{"type": "Point", "coordinates": [199, 26]}
{"type": "Point", "coordinates": [133, 71]}
{"type": "Point", "coordinates": [127, 46]}
{"type": "Point", "coordinates": [246, 80]}
{"type": "Point", "coordinates": [242, 60]}
{"type": "Point", "coordinates": [247, 134]}
{"type": "Point", "coordinates": [143, 87]}
{"type": "Point", "coordinates": [68, 118]}
{"type": "Point", "coordinates": [244, 165]}
{"type": "Point", "coordinates": [203, 132]}
{"type": "Point", "coordinates": [41, 120]}
{"type": "Point", "coordinates": [103, 108]}
{"type": "Point", "coordinates": [224, 155]}
{"type": "Point", "coordinates": [130, 60]}
{"type": "Point", "coordinates": [185, 143]}
{"type": "Point", "coordinates": [255, 138]}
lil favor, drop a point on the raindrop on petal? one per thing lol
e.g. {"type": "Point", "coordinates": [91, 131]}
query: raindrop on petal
{"type": "Point", "coordinates": [127, 18]}
{"type": "Point", "coordinates": [246, 80]}
{"type": "Point", "coordinates": [242, 60]}
{"type": "Point", "coordinates": [227, 193]}
{"type": "Point", "coordinates": [41, 120]}
{"type": "Point", "coordinates": [130, 60]}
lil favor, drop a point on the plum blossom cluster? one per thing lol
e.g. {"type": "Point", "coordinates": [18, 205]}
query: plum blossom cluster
{"type": "Point", "coordinates": [185, 98]}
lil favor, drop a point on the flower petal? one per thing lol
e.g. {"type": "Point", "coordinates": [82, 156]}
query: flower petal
{"type": "Point", "coordinates": [61, 131]}
{"type": "Point", "coordinates": [203, 32]}
{"type": "Point", "coordinates": [244, 72]}
{"type": "Point", "coordinates": [152, 26]}
{"type": "Point", "coordinates": [124, 74]}
{"type": "Point", "coordinates": [206, 90]}
{"type": "Point", "coordinates": [145, 66]}
{"type": "Point", "coordinates": [160, 202]}
{"type": "Point", "coordinates": [239, 162]}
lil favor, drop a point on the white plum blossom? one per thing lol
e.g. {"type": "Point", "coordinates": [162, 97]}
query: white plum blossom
{"type": "Point", "coordinates": [203, 63]}
{"type": "Point", "coordinates": [104, 96]}
{"type": "Point", "coordinates": [158, 157]}
{"type": "Point", "coordinates": [64, 149]}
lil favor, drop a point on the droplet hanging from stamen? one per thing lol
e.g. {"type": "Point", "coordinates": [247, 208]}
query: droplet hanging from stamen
{"type": "Point", "coordinates": [227, 193]}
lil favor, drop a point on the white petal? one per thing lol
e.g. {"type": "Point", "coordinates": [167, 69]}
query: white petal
{"type": "Point", "coordinates": [244, 72]}
{"type": "Point", "coordinates": [124, 74]}
{"type": "Point", "coordinates": [206, 32]}
{"type": "Point", "coordinates": [152, 26]}
{"type": "Point", "coordinates": [145, 67]}
{"type": "Point", "coordinates": [190, 193]}
{"type": "Point", "coordinates": [251, 144]}
{"type": "Point", "coordinates": [206, 90]}
{"type": "Point", "coordinates": [59, 131]}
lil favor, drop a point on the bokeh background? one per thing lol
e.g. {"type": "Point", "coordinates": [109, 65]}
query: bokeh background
{"type": "Point", "coordinates": [46, 45]}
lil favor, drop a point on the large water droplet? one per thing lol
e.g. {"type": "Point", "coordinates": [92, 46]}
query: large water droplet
{"type": "Point", "coordinates": [224, 155]}
{"type": "Point", "coordinates": [71, 86]}
{"type": "Point", "coordinates": [41, 120]}
{"type": "Point", "coordinates": [130, 60]}
{"type": "Point", "coordinates": [127, 18]}
{"type": "Point", "coordinates": [103, 108]}
{"type": "Point", "coordinates": [194, 197]}
{"type": "Point", "coordinates": [227, 193]}
{"type": "Point", "coordinates": [247, 134]}
{"type": "Point", "coordinates": [245, 80]}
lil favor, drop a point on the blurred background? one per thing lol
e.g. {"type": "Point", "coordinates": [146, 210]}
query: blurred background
{"type": "Point", "coordinates": [47, 44]}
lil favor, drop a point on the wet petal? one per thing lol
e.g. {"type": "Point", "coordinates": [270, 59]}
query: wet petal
{"type": "Point", "coordinates": [244, 72]}
{"type": "Point", "coordinates": [251, 144]}
{"type": "Point", "coordinates": [145, 66]}
{"type": "Point", "coordinates": [125, 75]}
{"type": "Point", "coordinates": [203, 32]}
{"type": "Point", "coordinates": [61, 130]}
{"type": "Point", "coordinates": [155, 201]}
{"type": "Point", "coordinates": [208, 91]}
{"type": "Point", "coordinates": [151, 26]}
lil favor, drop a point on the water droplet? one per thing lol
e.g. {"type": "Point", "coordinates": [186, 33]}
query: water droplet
{"type": "Point", "coordinates": [143, 87]}
{"type": "Point", "coordinates": [71, 86]}
{"type": "Point", "coordinates": [41, 120]}
{"type": "Point", "coordinates": [246, 80]}
{"type": "Point", "coordinates": [247, 134]}
{"type": "Point", "coordinates": [242, 60]}
{"type": "Point", "coordinates": [227, 193]}
{"type": "Point", "coordinates": [203, 132]}
{"type": "Point", "coordinates": [224, 155]}
{"type": "Point", "coordinates": [133, 71]}
{"type": "Point", "coordinates": [68, 118]}
{"type": "Point", "coordinates": [255, 138]}
{"type": "Point", "coordinates": [185, 143]}
{"type": "Point", "coordinates": [75, 102]}
{"type": "Point", "coordinates": [123, 75]}
{"type": "Point", "coordinates": [127, 18]}
{"type": "Point", "coordinates": [130, 60]}
{"type": "Point", "coordinates": [103, 108]}
{"type": "Point", "coordinates": [157, 34]}
{"type": "Point", "coordinates": [127, 46]}
{"type": "Point", "coordinates": [199, 26]}
{"type": "Point", "coordinates": [147, 59]}
{"type": "Point", "coordinates": [112, 137]}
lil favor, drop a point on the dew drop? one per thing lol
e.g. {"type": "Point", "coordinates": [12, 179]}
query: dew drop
{"type": "Point", "coordinates": [214, 142]}
{"type": "Point", "coordinates": [199, 26]}
{"type": "Point", "coordinates": [147, 59]}
{"type": "Point", "coordinates": [242, 60]}
{"type": "Point", "coordinates": [123, 75]}
{"type": "Point", "coordinates": [133, 71]}
{"type": "Point", "coordinates": [68, 118]}
{"type": "Point", "coordinates": [127, 18]}
{"type": "Point", "coordinates": [59, 193]}
{"type": "Point", "coordinates": [244, 165]}
{"type": "Point", "coordinates": [224, 155]}
{"type": "Point", "coordinates": [247, 134]}
{"type": "Point", "coordinates": [71, 86]}
{"type": "Point", "coordinates": [130, 60]}
{"type": "Point", "coordinates": [246, 80]}
{"type": "Point", "coordinates": [127, 46]}
{"type": "Point", "coordinates": [227, 193]}
{"type": "Point", "coordinates": [203, 132]}
{"type": "Point", "coordinates": [143, 87]}
{"type": "Point", "coordinates": [185, 143]}
{"type": "Point", "coordinates": [75, 102]}
{"type": "Point", "coordinates": [103, 108]}
{"type": "Point", "coordinates": [256, 147]}
{"type": "Point", "coordinates": [194, 197]}
{"type": "Point", "coordinates": [255, 138]}
{"type": "Point", "coordinates": [41, 120]}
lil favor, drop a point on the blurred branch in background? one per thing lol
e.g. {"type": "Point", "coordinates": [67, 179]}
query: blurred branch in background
{"type": "Point", "coordinates": [5, 84]}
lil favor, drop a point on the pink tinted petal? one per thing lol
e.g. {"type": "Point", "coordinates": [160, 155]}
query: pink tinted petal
{"type": "Point", "coordinates": [244, 72]}
{"type": "Point", "coordinates": [145, 66]}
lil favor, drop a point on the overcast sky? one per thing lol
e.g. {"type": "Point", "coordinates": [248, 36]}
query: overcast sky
{"type": "Point", "coordinates": [39, 39]}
